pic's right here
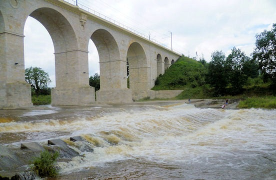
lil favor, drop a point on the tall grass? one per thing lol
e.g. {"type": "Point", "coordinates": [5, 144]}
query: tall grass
{"type": "Point", "coordinates": [41, 99]}
{"type": "Point", "coordinates": [268, 102]}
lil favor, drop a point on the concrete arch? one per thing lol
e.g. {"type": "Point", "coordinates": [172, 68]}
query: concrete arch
{"type": "Point", "coordinates": [72, 86]}
{"type": "Point", "coordinates": [65, 45]}
{"type": "Point", "coordinates": [172, 62]}
{"type": "Point", "coordinates": [167, 63]}
{"type": "Point", "coordinates": [109, 54]}
{"type": "Point", "coordinates": [138, 71]}
{"type": "Point", "coordinates": [59, 28]}
{"type": "Point", "coordinates": [159, 65]}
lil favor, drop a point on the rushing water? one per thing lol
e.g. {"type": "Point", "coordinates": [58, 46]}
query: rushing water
{"type": "Point", "coordinates": [175, 141]}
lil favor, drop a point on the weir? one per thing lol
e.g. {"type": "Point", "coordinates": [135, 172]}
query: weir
{"type": "Point", "coordinates": [71, 28]}
{"type": "Point", "coordinates": [149, 140]}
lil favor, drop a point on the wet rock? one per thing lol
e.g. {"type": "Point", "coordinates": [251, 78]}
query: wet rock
{"type": "Point", "coordinates": [76, 138]}
{"type": "Point", "coordinates": [33, 146]}
{"type": "Point", "coordinates": [82, 144]}
{"type": "Point", "coordinates": [24, 176]}
{"type": "Point", "coordinates": [58, 142]}
{"type": "Point", "coordinates": [8, 159]}
{"type": "Point", "coordinates": [64, 150]}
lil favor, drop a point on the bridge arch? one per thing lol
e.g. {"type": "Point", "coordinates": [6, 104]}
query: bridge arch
{"type": "Point", "coordinates": [109, 54]}
{"type": "Point", "coordinates": [70, 68]}
{"type": "Point", "coordinates": [172, 62]}
{"type": "Point", "coordinates": [59, 28]}
{"type": "Point", "coordinates": [159, 65]}
{"type": "Point", "coordinates": [138, 71]}
{"type": "Point", "coordinates": [167, 63]}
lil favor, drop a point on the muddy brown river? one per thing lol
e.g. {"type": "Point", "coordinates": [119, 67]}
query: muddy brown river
{"type": "Point", "coordinates": [159, 140]}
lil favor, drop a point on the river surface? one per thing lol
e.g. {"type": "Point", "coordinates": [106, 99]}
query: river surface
{"type": "Point", "coordinates": [153, 140]}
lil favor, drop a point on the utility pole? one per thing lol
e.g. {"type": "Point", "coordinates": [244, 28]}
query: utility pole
{"type": "Point", "coordinates": [171, 39]}
{"type": "Point", "coordinates": [76, 2]}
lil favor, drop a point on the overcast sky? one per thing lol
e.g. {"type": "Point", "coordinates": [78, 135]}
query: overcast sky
{"type": "Point", "coordinates": [197, 26]}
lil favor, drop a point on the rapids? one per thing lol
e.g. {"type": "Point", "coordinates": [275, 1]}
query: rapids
{"type": "Point", "coordinates": [154, 141]}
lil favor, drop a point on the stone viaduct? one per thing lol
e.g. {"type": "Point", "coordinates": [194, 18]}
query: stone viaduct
{"type": "Point", "coordinates": [71, 28]}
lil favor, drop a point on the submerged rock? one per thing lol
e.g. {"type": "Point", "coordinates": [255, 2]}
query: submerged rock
{"type": "Point", "coordinates": [76, 138]}
{"type": "Point", "coordinates": [64, 150]}
{"type": "Point", "coordinates": [33, 146]}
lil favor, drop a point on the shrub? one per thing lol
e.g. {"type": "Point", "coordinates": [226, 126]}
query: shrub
{"type": "Point", "coordinates": [45, 165]}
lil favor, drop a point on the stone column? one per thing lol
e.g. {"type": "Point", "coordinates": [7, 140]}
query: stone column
{"type": "Point", "coordinates": [72, 84]}
{"type": "Point", "coordinates": [14, 91]}
{"type": "Point", "coordinates": [114, 83]}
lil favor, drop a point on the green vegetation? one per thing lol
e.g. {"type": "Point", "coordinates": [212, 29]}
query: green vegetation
{"type": "Point", "coordinates": [268, 102]}
{"type": "Point", "coordinates": [94, 81]}
{"type": "Point", "coordinates": [41, 99]}
{"type": "Point", "coordinates": [45, 165]}
{"type": "Point", "coordinates": [236, 76]}
{"type": "Point", "coordinates": [185, 72]}
{"type": "Point", "coordinates": [264, 53]}
{"type": "Point", "coordinates": [38, 79]}
{"type": "Point", "coordinates": [3, 178]}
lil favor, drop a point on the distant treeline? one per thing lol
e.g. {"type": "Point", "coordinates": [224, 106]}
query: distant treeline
{"type": "Point", "coordinates": [232, 75]}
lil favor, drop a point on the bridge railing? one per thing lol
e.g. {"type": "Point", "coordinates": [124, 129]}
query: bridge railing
{"type": "Point", "coordinates": [88, 9]}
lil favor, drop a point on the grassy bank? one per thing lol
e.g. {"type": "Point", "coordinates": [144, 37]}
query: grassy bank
{"type": "Point", "coordinates": [268, 102]}
{"type": "Point", "coordinates": [41, 99]}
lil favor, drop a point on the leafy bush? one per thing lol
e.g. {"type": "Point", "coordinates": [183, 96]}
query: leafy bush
{"type": "Point", "coordinates": [4, 178]}
{"type": "Point", "coordinates": [45, 165]}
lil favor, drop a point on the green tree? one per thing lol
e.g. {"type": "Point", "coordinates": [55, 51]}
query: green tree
{"type": "Point", "coordinates": [235, 67]}
{"type": "Point", "coordinates": [94, 81]}
{"type": "Point", "coordinates": [265, 53]}
{"type": "Point", "coordinates": [38, 79]}
{"type": "Point", "coordinates": [217, 75]}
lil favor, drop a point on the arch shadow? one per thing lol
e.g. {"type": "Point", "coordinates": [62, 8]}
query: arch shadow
{"type": "Point", "coordinates": [159, 65]}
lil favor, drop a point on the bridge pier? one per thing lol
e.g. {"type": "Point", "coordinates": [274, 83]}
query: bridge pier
{"type": "Point", "coordinates": [72, 85]}
{"type": "Point", "coordinates": [114, 96]}
{"type": "Point", "coordinates": [73, 96]}
{"type": "Point", "coordinates": [14, 91]}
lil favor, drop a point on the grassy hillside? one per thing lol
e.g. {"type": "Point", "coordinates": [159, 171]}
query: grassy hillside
{"type": "Point", "coordinates": [185, 74]}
